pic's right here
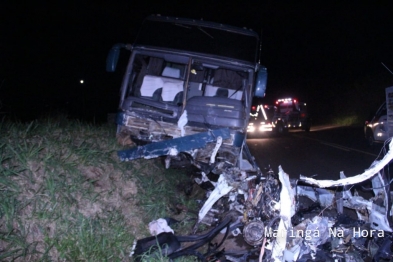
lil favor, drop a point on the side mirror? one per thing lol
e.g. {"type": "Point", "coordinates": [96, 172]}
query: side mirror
{"type": "Point", "coordinates": [260, 83]}
{"type": "Point", "coordinates": [113, 57]}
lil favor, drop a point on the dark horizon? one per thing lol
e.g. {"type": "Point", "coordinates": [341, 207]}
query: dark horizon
{"type": "Point", "coordinates": [325, 55]}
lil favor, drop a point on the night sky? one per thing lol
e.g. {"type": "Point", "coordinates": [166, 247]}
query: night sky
{"type": "Point", "coordinates": [325, 54]}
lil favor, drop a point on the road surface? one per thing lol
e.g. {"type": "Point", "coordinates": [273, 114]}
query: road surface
{"type": "Point", "coordinates": [324, 151]}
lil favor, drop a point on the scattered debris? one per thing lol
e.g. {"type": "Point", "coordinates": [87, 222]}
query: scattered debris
{"type": "Point", "coordinates": [191, 104]}
{"type": "Point", "coordinates": [158, 226]}
{"type": "Point", "coordinates": [282, 219]}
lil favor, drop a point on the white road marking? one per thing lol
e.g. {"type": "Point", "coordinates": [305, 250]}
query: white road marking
{"type": "Point", "coordinates": [336, 146]}
{"type": "Point", "coordinates": [348, 149]}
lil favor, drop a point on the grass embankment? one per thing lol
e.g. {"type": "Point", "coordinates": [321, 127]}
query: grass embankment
{"type": "Point", "coordinates": [66, 197]}
{"type": "Point", "coordinates": [352, 120]}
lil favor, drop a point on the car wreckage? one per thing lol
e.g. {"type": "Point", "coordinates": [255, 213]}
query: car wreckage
{"type": "Point", "coordinates": [283, 219]}
{"type": "Point", "coordinates": [186, 96]}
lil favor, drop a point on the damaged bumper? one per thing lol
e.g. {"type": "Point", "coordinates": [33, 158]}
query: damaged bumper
{"type": "Point", "coordinates": [174, 146]}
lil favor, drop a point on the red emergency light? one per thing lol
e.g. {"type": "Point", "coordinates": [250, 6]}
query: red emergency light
{"type": "Point", "coordinates": [286, 100]}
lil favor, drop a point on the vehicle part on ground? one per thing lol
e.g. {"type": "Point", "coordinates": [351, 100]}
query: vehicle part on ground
{"type": "Point", "coordinates": [253, 232]}
{"type": "Point", "coordinates": [159, 226]}
{"type": "Point", "coordinates": [283, 219]}
{"type": "Point", "coordinates": [169, 245]}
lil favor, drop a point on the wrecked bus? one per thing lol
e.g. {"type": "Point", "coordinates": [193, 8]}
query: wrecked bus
{"type": "Point", "coordinates": [186, 95]}
{"type": "Point", "coordinates": [187, 91]}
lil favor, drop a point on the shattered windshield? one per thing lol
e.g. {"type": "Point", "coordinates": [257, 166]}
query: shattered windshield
{"type": "Point", "coordinates": [215, 81]}
{"type": "Point", "coordinates": [161, 79]}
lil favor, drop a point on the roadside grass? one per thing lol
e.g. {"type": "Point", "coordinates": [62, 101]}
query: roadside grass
{"type": "Point", "coordinates": [349, 120]}
{"type": "Point", "coordinates": [65, 196]}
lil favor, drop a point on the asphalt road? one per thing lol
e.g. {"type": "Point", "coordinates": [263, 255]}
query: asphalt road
{"type": "Point", "coordinates": [324, 151]}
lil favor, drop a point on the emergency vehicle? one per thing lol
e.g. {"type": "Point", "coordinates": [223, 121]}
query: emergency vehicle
{"type": "Point", "coordinates": [286, 113]}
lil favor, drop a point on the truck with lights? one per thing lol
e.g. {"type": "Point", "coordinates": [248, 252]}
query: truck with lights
{"type": "Point", "coordinates": [285, 114]}
{"type": "Point", "coordinates": [291, 113]}
{"type": "Point", "coordinates": [187, 91]}
{"type": "Point", "coordinates": [261, 120]}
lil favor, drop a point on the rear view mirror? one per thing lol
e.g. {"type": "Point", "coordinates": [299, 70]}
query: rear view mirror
{"type": "Point", "coordinates": [113, 57]}
{"type": "Point", "coordinates": [260, 83]}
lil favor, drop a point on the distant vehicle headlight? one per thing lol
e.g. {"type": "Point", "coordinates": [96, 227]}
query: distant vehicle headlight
{"type": "Point", "coordinates": [265, 127]}
{"type": "Point", "coordinates": [250, 128]}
